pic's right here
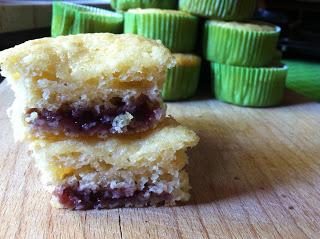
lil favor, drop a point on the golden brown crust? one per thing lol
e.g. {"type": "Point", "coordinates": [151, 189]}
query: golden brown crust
{"type": "Point", "coordinates": [84, 57]}
{"type": "Point", "coordinates": [252, 26]}
{"type": "Point", "coordinates": [187, 59]}
{"type": "Point", "coordinates": [158, 11]}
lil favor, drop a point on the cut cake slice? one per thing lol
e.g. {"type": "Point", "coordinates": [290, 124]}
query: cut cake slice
{"type": "Point", "coordinates": [86, 85]}
{"type": "Point", "coordinates": [145, 169]}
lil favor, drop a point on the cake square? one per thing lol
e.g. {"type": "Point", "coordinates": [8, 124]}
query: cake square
{"type": "Point", "coordinates": [86, 85]}
{"type": "Point", "coordinates": [145, 169]}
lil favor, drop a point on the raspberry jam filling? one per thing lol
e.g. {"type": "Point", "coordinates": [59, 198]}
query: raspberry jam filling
{"type": "Point", "coordinates": [73, 198]}
{"type": "Point", "coordinates": [100, 121]}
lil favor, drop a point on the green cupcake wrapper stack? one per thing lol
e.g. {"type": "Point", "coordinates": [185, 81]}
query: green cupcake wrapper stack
{"type": "Point", "coordinates": [182, 80]}
{"type": "Point", "coordinates": [70, 18]}
{"type": "Point", "coordinates": [175, 29]}
{"type": "Point", "coordinates": [239, 47]}
{"type": "Point", "coordinates": [234, 10]}
{"type": "Point", "coordinates": [124, 5]}
{"type": "Point", "coordinates": [249, 86]}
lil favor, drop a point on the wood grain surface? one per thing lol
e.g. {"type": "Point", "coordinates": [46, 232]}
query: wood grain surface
{"type": "Point", "coordinates": [255, 174]}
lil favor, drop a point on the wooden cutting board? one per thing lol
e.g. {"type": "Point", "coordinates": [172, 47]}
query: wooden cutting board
{"type": "Point", "coordinates": [255, 174]}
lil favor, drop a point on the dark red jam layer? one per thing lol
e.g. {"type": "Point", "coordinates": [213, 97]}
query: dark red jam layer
{"type": "Point", "coordinates": [97, 121]}
{"type": "Point", "coordinates": [104, 198]}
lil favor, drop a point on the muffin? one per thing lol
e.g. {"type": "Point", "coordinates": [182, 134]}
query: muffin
{"type": "Point", "coordinates": [177, 30]}
{"type": "Point", "coordinates": [249, 86]}
{"type": "Point", "coordinates": [229, 10]}
{"type": "Point", "coordinates": [182, 80]}
{"type": "Point", "coordinates": [240, 43]}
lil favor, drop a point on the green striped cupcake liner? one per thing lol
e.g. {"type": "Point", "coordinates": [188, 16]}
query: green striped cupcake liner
{"type": "Point", "coordinates": [182, 80]}
{"type": "Point", "coordinates": [227, 43]}
{"type": "Point", "coordinates": [90, 22]}
{"type": "Point", "coordinates": [176, 30]}
{"type": "Point", "coordinates": [124, 5]}
{"type": "Point", "coordinates": [69, 18]}
{"type": "Point", "coordinates": [248, 86]}
{"type": "Point", "coordinates": [229, 10]}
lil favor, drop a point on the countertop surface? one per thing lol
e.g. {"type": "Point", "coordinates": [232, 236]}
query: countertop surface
{"type": "Point", "coordinates": [255, 174]}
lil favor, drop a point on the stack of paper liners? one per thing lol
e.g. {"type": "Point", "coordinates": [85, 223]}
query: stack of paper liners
{"type": "Point", "coordinates": [95, 120]}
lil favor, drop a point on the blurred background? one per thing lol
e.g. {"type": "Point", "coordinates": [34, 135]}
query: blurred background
{"type": "Point", "coordinates": [299, 19]}
{"type": "Point", "coordinates": [23, 20]}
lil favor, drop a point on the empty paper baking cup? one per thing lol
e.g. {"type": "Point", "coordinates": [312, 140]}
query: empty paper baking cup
{"type": "Point", "coordinates": [249, 86]}
{"type": "Point", "coordinates": [240, 44]}
{"type": "Point", "coordinates": [177, 30]}
{"type": "Point", "coordinates": [231, 10]}
{"type": "Point", "coordinates": [182, 80]}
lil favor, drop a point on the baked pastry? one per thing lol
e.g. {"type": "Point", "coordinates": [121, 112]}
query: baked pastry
{"type": "Point", "coordinates": [146, 169]}
{"type": "Point", "coordinates": [240, 43]}
{"type": "Point", "coordinates": [182, 80]}
{"type": "Point", "coordinates": [177, 30]}
{"type": "Point", "coordinates": [86, 85]}
{"type": "Point", "coordinates": [249, 86]}
{"type": "Point", "coordinates": [229, 10]}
